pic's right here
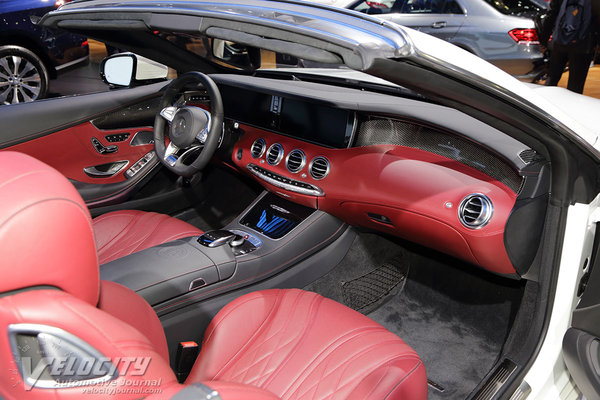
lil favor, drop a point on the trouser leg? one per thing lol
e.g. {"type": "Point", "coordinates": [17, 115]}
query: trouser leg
{"type": "Point", "coordinates": [556, 65]}
{"type": "Point", "coordinates": [579, 64]}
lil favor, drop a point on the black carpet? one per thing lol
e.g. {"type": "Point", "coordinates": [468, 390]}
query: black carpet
{"type": "Point", "coordinates": [455, 316]}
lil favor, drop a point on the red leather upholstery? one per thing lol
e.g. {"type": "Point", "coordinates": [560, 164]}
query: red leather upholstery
{"type": "Point", "coordinates": [126, 305]}
{"type": "Point", "coordinates": [299, 345]}
{"type": "Point", "coordinates": [226, 390]}
{"type": "Point", "coordinates": [45, 232]}
{"type": "Point", "coordinates": [287, 344]}
{"type": "Point", "coordinates": [112, 337]}
{"type": "Point", "coordinates": [121, 233]}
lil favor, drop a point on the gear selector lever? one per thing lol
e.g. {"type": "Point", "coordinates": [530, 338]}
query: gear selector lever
{"type": "Point", "coordinates": [216, 238]}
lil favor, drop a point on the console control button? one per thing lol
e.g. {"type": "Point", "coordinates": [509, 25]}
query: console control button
{"type": "Point", "coordinates": [141, 163]}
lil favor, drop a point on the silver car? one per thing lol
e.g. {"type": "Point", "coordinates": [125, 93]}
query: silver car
{"type": "Point", "coordinates": [495, 30]}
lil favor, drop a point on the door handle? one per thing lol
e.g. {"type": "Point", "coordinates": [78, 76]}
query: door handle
{"type": "Point", "coordinates": [105, 170]}
{"type": "Point", "coordinates": [439, 24]}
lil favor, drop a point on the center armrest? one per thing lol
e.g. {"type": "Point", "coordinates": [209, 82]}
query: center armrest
{"type": "Point", "coordinates": [171, 269]}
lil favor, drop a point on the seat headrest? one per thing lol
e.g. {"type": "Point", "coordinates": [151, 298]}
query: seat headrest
{"type": "Point", "coordinates": [46, 236]}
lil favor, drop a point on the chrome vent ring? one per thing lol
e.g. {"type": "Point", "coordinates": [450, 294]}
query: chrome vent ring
{"type": "Point", "coordinates": [319, 167]}
{"type": "Point", "coordinates": [275, 154]}
{"type": "Point", "coordinates": [475, 211]}
{"type": "Point", "coordinates": [295, 161]}
{"type": "Point", "coordinates": [258, 148]}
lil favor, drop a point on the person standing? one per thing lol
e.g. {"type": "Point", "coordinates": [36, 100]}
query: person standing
{"type": "Point", "coordinates": [570, 32]}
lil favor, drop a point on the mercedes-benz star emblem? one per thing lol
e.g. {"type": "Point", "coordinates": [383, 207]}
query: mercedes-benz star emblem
{"type": "Point", "coordinates": [179, 127]}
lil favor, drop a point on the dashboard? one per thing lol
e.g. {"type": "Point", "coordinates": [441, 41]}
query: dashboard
{"type": "Point", "coordinates": [416, 170]}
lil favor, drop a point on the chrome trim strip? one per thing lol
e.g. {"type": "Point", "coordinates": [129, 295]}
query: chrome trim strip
{"type": "Point", "coordinates": [38, 329]}
{"type": "Point", "coordinates": [315, 191]}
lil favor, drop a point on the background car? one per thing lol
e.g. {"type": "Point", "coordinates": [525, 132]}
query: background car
{"type": "Point", "coordinates": [31, 55]}
{"type": "Point", "coordinates": [500, 32]}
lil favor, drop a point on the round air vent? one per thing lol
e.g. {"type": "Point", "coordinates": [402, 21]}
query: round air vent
{"type": "Point", "coordinates": [475, 211]}
{"type": "Point", "coordinates": [319, 167]}
{"type": "Point", "coordinates": [295, 161]}
{"type": "Point", "coordinates": [275, 154]}
{"type": "Point", "coordinates": [258, 148]}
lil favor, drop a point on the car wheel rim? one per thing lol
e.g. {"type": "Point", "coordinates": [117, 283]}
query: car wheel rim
{"type": "Point", "coordinates": [20, 80]}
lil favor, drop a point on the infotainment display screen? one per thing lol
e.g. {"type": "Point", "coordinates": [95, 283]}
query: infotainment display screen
{"type": "Point", "coordinates": [316, 123]}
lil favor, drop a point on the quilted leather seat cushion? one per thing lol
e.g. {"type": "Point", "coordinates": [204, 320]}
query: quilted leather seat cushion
{"type": "Point", "coordinates": [120, 233]}
{"type": "Point", "coordinates": [300, 345]}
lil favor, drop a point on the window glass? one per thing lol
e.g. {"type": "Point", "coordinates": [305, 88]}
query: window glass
{"type": "Point", "coordinates": [375, 7]}
{"type": "Point", "coordinates": [409, 7]}
{"type": "Point", "coordinates": [516, 7]}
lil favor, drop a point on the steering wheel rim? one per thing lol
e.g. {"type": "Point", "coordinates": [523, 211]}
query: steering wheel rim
{"type": "Point", "coordinates": [189, 127]}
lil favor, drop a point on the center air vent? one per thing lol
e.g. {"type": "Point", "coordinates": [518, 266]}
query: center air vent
{"type": "Point", "coordinates": [275, 154]}
{"type": "Point", "coordinates": [258, 148]}
{"type": "Point", "coordinates": [295, 161]}
{"type": "Point", "coordinates": [319, 167]}
{"type": "Point", "coordinates": [475, 211]}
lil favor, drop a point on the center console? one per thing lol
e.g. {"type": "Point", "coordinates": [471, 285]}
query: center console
{"type": "Point", "coordinates": [270, 236]}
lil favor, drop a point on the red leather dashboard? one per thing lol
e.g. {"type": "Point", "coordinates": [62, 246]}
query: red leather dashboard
{"type": "Point", "coordinates": [417, 192]}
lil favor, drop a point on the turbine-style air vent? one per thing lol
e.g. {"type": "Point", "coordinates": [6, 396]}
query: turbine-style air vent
{"type": "Point", "coordinates": [319, 167]}
{"type": "Point", "coordinates": [475, 211]}
{"type": "Point", "coordinates": [275, 154]}
{"type": "Point", "coordinates": [258, 148]}
{"type": "Point", "coordinates": [295, 161]}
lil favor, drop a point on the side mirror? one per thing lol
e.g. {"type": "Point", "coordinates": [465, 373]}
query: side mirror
{"type": "Point", "coordinates": [128, 69]}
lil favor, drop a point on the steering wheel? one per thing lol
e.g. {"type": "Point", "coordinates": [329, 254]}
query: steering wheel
{"type": "Point", "coordinates": [189, 128]}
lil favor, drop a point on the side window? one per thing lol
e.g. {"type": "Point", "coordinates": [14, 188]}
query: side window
{"type": "Point", "coordinates": [452, 7]}
{"type": "Point", "coordinates": [427, 7]}
{"type": "Point", "coordinates": [376, 6]}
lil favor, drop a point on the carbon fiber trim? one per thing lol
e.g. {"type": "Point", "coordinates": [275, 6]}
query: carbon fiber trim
{"type": "Point", "coordinates": [390, 131]}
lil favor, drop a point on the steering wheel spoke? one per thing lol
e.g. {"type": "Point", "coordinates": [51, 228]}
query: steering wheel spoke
{"type": "Point", "coordinates": [168, 113]}
{"type": "Point", "coordinates": [171, 157]}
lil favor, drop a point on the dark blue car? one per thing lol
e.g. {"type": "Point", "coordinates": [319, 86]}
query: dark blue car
{"type": "Point", "coordinates": [31, 55]}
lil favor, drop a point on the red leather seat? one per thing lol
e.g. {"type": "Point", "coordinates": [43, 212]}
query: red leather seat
{"type": "Point", "coordinates": [286, 344]}
{"type": "Point", "coordinates": [300, 345]}
{"type": "Point", "coordinates": [120, 233]}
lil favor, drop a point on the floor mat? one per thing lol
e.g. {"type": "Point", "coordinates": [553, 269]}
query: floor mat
{"type": "Point", "coordinates": [370, 291]}
{"type": "Point", "coordinates": [454, 315]}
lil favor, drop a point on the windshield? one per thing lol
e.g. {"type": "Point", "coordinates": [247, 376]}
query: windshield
{"type": "Point", "coordinates": [236, 56]}
{"type": "Point", "coordinates": [267, 63]}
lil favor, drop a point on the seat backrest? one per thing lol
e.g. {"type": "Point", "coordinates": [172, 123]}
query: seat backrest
{"type": "Point", "coordinates": [46, 237]}
{"type": "Point", "coordinates": [54, 340]}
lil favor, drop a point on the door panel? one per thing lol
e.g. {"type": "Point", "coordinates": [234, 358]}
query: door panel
{"type": "Point", "coordinates": [71, 151]}
{"type": "Point", "coordinates": [443, 26]}
{"type": "Point", "coordinates": [65, 134]}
